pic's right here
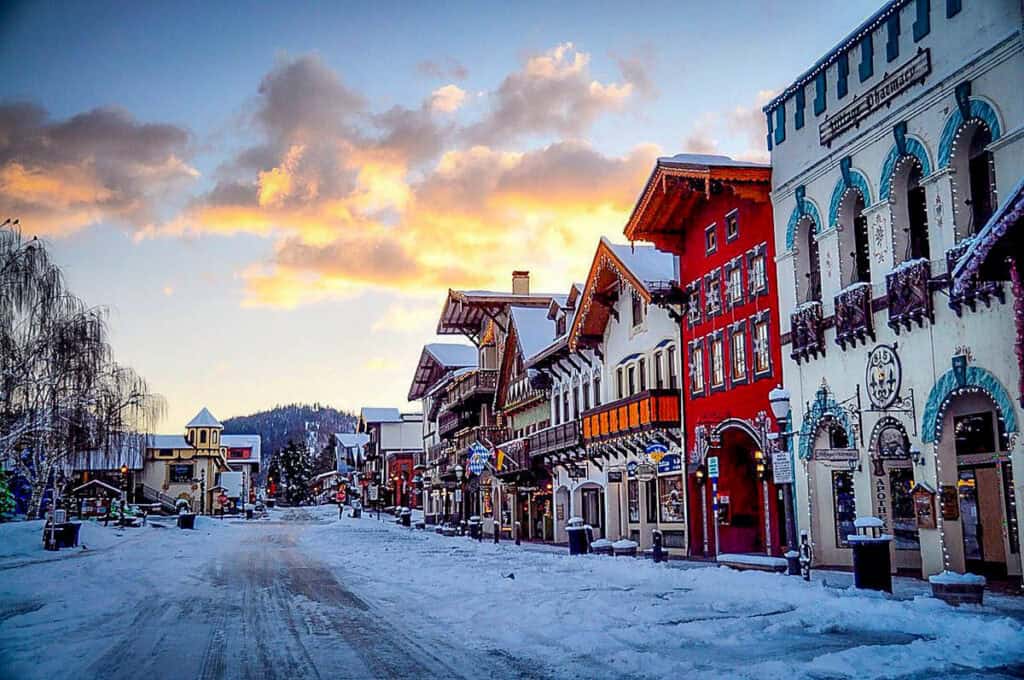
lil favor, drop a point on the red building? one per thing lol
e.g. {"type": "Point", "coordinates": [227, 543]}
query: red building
{"type": "Point", "coordinates": [715, 214]}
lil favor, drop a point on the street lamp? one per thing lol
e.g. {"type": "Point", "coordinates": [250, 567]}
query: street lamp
{"type": "Point", "coordinates": [458, 478]}
{"type": "Point", "coordinates": [700, 474]}
{"type": "Point", "coordinates": [759, 464]}
{"type": "Point", "coordinates": [779, 401]}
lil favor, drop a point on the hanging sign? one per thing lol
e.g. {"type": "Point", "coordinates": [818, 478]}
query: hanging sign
{"type": "Point", "coordinates": [672, 462]}
{"type": "Point", "coordinates": [924, 507]}
{"type": "Point", "coordinates": [615, 476]}
{"type": "Point", "coordinates": [577, 471]}
{"type": "Point", "coordinates": [656, 451]}
{"type": "Point", "coordinates": [713, 467]}
{"type": "Point", "coordinates": [631, 468]}
{"type": "Point", "coordinates": [645, 472]}
{"type": "Point", "coordinates": [836, 455]}
{"type": "Point", "coordinates": [950, 503]}
{"type": "Point", "coordinates": [883, 376]}
{"type": "Point", "coordinates": [372, 493]}
{"type": "Point", "coordinates": [782, 467]}
{"type": "Point", "coordinates": [882, 94]}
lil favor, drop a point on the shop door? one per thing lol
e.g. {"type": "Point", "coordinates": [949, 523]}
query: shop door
{"type": "Point", "coordinates": [593, 510]}
{"type": "Point", "coordinates": [981, 517]}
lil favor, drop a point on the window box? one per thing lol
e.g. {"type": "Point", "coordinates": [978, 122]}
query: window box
{"type": "Point", "coordinates": [854, 320]}
{"type": "Point", "coordinates": [976, 290]}
{"type": "Point", "coordinates": [910, 298]}
{"type": "Point", "coordinates": [807, 332]}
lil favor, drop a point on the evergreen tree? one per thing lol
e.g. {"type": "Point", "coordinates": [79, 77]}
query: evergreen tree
{"type": "Point", "coordinates": [296, 466]}
{"type": "Point", "coordinates": [6, 496]}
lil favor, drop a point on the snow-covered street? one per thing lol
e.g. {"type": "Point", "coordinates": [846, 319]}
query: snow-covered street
{"type": "Point", "coordinates": [307, 595]}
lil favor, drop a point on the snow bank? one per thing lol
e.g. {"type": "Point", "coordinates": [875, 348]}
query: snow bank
{"type": "Point", "coordinates": [753, 560]}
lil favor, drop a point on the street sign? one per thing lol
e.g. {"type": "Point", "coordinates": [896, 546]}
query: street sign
{"type": "Point", "coordinates": [645, 472]}
{"type": "Point", "coordinates": [782, 467]}
{"type": "Point", "coordinates": [713, 467]}
{"type": "Point", "coordinates": [615, 476]}
{"type": "Point", "coordinates": [577, 471]}
{"type": "Point", "coordinates": [372, 493]}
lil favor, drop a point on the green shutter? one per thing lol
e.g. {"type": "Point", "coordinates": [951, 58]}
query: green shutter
{"type": "Point", "coordinates": [780, 123]}
{"type": "Point", "coordinates": [843, 66]}
{"type": "Point", "coordinates": [892, 45]}
{"type": "Point", "coordinates": [923, 23]}
{"type": "Point", "coordinates": [801, 104]}
{"type": "Point", "coordinates": [819, 93]}
{"type": "Point", "coordinates": [867, 58]}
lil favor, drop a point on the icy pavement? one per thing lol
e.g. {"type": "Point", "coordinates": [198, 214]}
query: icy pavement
{"type": "Point", "coordinates": [306, 595]}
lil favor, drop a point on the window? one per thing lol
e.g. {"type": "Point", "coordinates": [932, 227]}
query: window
{"type": "Point", "coordinates": [659, 381]}
{"type": "Point", "coordinates": [762, 348]}
{"type": "Point", "coordinates": [820, 87]}
{"type": "Point", "coordinates": [735, 284]}
{"type": "Point", "coordinates": [917, 207]}
{"type": "Point", "coordinates": [739, 354]}
{"type": "Point", "coordinates": [842, 81]}
{"type": "Point", "coordinates": [844, 506]}
{"type": "Point", "coordinates": [631, 379]}
{"type": "Point", "coordinates": [651, 498]}
{"type": "Point", "coordinates": [892, 43]}
{"type": "Point", "coordinates": [165, 453]}
{"type": "Point", "coordinates": [642, 368]}
{"type": "Point", "coordinates": [853, 239]}
{"type": "Point", "coordinates": [633, 499]}
{"type": "Point", "coordinates": [586, 395]}
{"type": "Point", "coordinates": [182, 474]}
{"type": "Point", "coordinates": [812, 284]}
{"type": "Point", "coordinates": [555, 409]}
{"type": "Point", "coordinates": [215, 436]}
{"type": "Point", "coordinates": [202, 436]}
{"type": "Point", "coordinates": [756, 272]}
{"type": "Point", "coordinates": [670, 492]}
{"type": "Point", "coordinates": [597, 390]}
{"type": "Point", "coordinates": [922, 23]}
{"type": "Point", "coordinates": [673, 379]}
{"type": "Point", "coordinates": [575, 402]}
{"type": "Point", "coordinates": [694, 308]}
{"type": "Point", "coordinates": [983, 201]}
{"type": "Point", "coordinates": [780, 123]}
{"type": "Point", "coordinates": [904, 522]}
{"type": "Point", "coordinates": [711, 239]}
{"type": "Point", "coordinates": [867, 58]}
{"type": "Point", "coordinates": [619, 385]}
{"type": "Point", "coordinates": [713, 293]}
{"type": "Point", "coordinates": [638, 309]}
{"type": "Point", "coordinates": [697, 367]}
{"type": "Point", "coordinates": [974, 434]}
{"type": "Point", "coordinates": [566, 416]}
{"type": "Point", "coordinates": [732, 226]}
{"type": "Point", "coordinates": [801, 104]}
{"type": "Point", "coordinates": [717, 362]}
{"type": "Point", "coordinates": [560, 326]}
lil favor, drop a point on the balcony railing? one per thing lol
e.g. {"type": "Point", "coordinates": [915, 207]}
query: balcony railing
{"type": "Point", "coordinates": [976, 290]}
{"type": "Point", "coordinates": [482, 433]}
{"type": "Point", "coordinates": [641, 412]}
{"type": "Point", "coordinates": [479, 383]}
{"type": "Point", "coordinates": [555, 438]}
{"type": "Point", "coordinates": [910, 298]}
{"type": "Point", "coordinates": [449, 422]}
{"type": "Point", "coordinates": [517, 454]}
{"type": "Point", "coordinates": [807, 332]}
{"type": "Point", "coordinates": [854, 320]}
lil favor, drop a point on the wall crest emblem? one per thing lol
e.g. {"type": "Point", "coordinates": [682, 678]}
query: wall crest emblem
{"type": "Point", "coordinates": [883, 376]}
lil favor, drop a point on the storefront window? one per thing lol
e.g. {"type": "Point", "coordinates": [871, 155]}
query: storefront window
{"type": "Point", "coordinates": [633, 494]}
{"type": "Point", "coordinates": [844, 506]}
{"type": "Point", "coordinates": [904, 523]}
{"type": "Point", "coordinates": [974, 433]}
{"type": "Point", "coordinates": [181, 474]}
{"type": "Point", "coordinates": [651, 494]}
{"type": "Point", "coordinates": [670, 490]}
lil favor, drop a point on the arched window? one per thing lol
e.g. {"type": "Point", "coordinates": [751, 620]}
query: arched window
{"type": "Point", "coordinates": [909, 207]}
{"type": "Point", "coordinates": [808, 273]}
{"type": "Point", "coordinates": [853, 239]}
{"type": "Point", "coordinates": [973, 177]}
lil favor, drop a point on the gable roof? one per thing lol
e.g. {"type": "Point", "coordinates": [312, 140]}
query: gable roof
{"type": "Point", "coordinates": [167, 441]}
{"type": "Point", "coordinates": [534, 329]}
{"type": "Point", "coordinates": [369, 414]}
{"type": "Point", "coordinates": [465, 310]}
{"type": "Point", "coordinates": [436, 361]}
{"type": "Point", "coordinates": [204, 419]}
{"type": "Point", "coordinates": [253, 441]}
{"type": "Point", "coordinates": [352, 440]}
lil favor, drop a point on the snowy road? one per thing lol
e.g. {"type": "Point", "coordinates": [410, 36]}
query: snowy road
{"type": "Point", "coordinates": [308, 596]}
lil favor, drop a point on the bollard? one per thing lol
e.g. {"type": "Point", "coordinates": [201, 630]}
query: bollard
{"type": "Point", "coordinates": [805, 556]}
{"type": "Point", "coordinates": [659, 554]}
{"type": "Point", "coordinates": [519, 528]}
{"type": "Point", "coordinates": [497, 533]}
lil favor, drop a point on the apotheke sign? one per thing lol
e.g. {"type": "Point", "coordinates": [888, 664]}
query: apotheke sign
{"type": "Point", "coordinates": [863, 105]}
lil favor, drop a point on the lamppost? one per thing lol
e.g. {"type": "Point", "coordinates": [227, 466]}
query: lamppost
{"type": "Point", "coordinates": [124, 482]}
{"type": "Point", "coordinates": [700, 476]}
{"type": "Point", "coordinates": [458, 490]}
{"type": "Point", "coordinates": [779, 401]}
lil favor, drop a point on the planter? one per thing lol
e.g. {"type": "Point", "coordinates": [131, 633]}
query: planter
{"type": "Point", "coordinates": [625, 548]}
{"type": "Point", "coordinates": [957, 589]}
{"type": "Point", "coordinates": [601, 546]}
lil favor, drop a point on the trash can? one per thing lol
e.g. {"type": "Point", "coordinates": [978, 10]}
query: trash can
{"type": "Point", "coordinates": [601, 546]}
{"type": "Point", "coordinates": [187, 520]}
{"type": "Point", "coordinates": [249, 510]}
{"type": "Point", "coordinates": [624, 548]}
{"type": "Point", "coordinates": [476, 528]}
{"type": "Point", "coordinates": [872, 567]}
{"type": "Point", "coordinates": [271, 502]}
{"type": "Point", "coordinates": [406, 517]}
{"type": "Point", "coordinates": [792, 563]}
{"type": "Point", "coordinates": [67, 534]}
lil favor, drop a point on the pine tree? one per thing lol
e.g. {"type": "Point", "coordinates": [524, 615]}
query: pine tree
{"type": "Point", "coordinates": [6, 497]}
{"type": "Point", "coordinates": [296, 466]}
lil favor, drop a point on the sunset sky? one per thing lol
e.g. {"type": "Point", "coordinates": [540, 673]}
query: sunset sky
{"type": "Point", "coordinates": [273, 199]}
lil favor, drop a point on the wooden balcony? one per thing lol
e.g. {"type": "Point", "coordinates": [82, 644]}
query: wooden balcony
{"type": "Point", "coordinates": [639, 413]}
{"type": "Point", "coordinates": [807, 332]}
{"type": "Point", "coordinates": [517, 454]}
{"type": "Point", "coordinates": [556, 438]}
{"type": "Point", "coordinates": [909, 293]}
{"type": "Point", "coordinates": [854, 321]}
{"type": "Point", "coordinates": [481, 433]}
{"type": "Point", "coordinates": [479, 384]}
{"type": "Point", "coordinates": [449, 422]}
{"type": "Point", "coordinates": [976, 290]}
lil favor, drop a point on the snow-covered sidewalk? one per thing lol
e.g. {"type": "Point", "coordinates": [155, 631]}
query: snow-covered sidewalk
{"type": "Point", "coordinates": [594, 616]}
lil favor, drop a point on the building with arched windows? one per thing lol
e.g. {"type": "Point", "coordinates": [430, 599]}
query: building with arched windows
{"type": "Point", "coordinates": [888, 157]}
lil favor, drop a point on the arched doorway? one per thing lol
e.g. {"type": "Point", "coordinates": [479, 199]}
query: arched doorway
{"type": "Point", "coordinates": [893, 476]}
{"type": "Point", "coordinates": [562, 508]}
{"type": "Point", "coordinates": [588, 503]}
{"type": "Point", "coordinates": [747, 521]}
{"type": "Point", "coordinates": [808, 266]}
{"type": "Point", "coordinates": [855, 259]}
{"type": "Point", "coordinates": [973, 177]}
{"type": "Point", "coordinates": [909, 206]}
{"type": "Point", "coordinates": [831, 480]}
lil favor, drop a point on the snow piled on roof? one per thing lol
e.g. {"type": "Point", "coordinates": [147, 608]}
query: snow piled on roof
{"type": "Point", "coordinates": [350, 440]}
{"type": "Point", "coordinates": [534, 329]}
{"type": "Point", "coordinates": [204, 419]}
{"type": "Point", "coordinates": [453, 355]}
{"type": "Point", "coordinates": [647, 263]}
{"type": "Point", "coordinates": [167, 441]}
{"type": "Point", "coordinates": [708, 160]}
{"type": "Point", "coordinates": [380, 415]}
{"type": "Point", "coordinates": [241, 441]}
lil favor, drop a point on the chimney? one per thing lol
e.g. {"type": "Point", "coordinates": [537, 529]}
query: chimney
{"type": "Point", "coordinates": [520, 283]}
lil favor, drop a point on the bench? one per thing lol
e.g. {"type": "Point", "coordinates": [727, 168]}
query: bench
{"type": "Point", "coordinates": [754, 562]}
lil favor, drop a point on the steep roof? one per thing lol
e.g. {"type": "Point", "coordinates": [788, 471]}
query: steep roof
{"type": "Point", "coordinates": [648, 264]}
{"type": "Point", "coordinates": [380, 415]}
{"type": "Point", "coordinates": [204, 419]}
{"type": "Point", "coordinates": [436, 361]}
{"type": "Point", "coordinates": [167, 441]}
{"type": "Point", "coordinates": [465, 310]}
{"type": "Point", "coordinates": [534, 329]}
{"type": "Point", "coordinates": [350, 440]}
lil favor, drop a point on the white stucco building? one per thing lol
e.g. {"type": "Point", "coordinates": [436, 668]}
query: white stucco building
{"type": "Point", "coordinates": [888, 155]}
